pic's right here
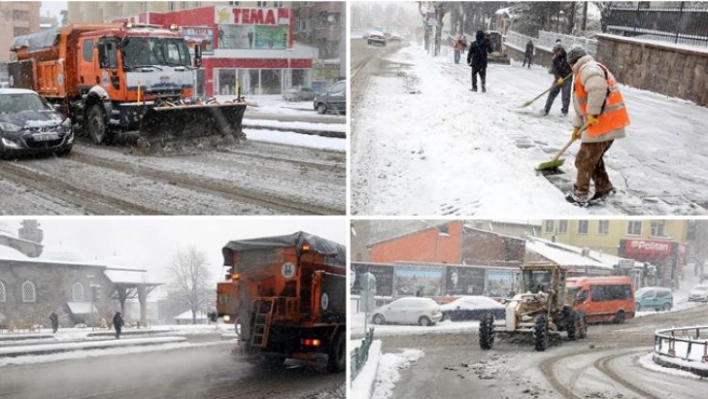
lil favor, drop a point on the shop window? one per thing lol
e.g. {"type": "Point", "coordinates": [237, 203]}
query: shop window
{"type": "Point", "coordinates": [29, 293]}
{"type": "Point", "coordinates": [227, 82]}
{"type": "Point", "coordinates": [271, 81]}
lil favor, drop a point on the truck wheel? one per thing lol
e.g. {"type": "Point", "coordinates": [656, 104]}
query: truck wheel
{"type": "Point", "coordinates": [272, 362]}
{"type": "Point", "coordinates": [571, 325]}
{"type": "Point", "coordinates": [336, 361]}
{"type": "Point", "coordinates": [96, 123]}
{"type": "Point", "coordinates": [540, 333]}
{"type": "Point", "coordinates": [486, 332]}
{"type": "Point", "coordinates": [619, 317]}
{"type": "Point", "coordinates": [424, 321]}
{"type": "Point", "coordinates": [378, 319]}
{"type": "Point", "coordinates": [321, 109]}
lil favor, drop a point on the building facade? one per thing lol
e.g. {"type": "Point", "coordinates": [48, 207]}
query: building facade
{"type": "Point", "coordinates": [605, 235]}
{"type": "Point", "coordinates": [17, 18]}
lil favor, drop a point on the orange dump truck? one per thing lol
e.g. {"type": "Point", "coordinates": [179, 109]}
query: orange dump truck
{"type": "Point", "coordinates": [291, 298]}
{"type": "Point", "coordinates": [114, 79]}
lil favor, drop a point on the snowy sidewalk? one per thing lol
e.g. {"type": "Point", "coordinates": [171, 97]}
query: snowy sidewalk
{"type": "Point", "coordinates": [424, 144]}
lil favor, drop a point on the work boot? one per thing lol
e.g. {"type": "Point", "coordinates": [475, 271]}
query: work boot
{"type": "Point", "coordinates": [577, 198]}
{"type": "Point", "coordinates": [474, 88]}
{"type": "Point", "coordinates": [544, 112]}
{"type": "Point", "coordinates": [484, 90]}
{"type": "Point", "coordinates": [602, 195]}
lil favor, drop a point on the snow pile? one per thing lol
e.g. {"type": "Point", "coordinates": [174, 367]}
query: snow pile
{"type": "Point", "coordinates": [388, 373]}
{"type": "Point", "coordinates": [356, 326]}
{"type": "Point", "coordinates": [364, 381]}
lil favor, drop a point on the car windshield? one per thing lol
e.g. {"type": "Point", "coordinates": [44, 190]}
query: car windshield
{"type": "Point", "coordinates": [157, 51]}
{"type": "Point", "coordinates": [21, 102]}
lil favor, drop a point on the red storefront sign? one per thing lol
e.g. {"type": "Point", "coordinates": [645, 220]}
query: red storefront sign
{"type": "Point", "coordinates": [648, 248]}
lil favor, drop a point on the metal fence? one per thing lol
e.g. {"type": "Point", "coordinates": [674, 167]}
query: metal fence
{"type": "Point", "coordinates": [547, 40]}
{"type": "Point", "coordinates": [685, 348]}
{"type": "Point", "coordinates": [360, 355]}
{"type": "Point", "coordinates": [685, 23]}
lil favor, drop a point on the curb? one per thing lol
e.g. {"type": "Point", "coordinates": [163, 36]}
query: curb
{"type": "Point", "coordinates": [71, 347]}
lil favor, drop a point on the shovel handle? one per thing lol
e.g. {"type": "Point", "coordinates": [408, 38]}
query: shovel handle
{"type": "Point", "coordinates": [569, 143]}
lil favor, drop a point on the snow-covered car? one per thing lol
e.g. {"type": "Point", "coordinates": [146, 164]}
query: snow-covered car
{"type": "Point", "coordinates": [376, 37]}
{"type": "Point", "coordinates": [29, 124]}
{"type": "Point", "coordinates": [699, 293]}
{"type": "Point", "coordinates": [657, 298]}
{"type": "Point", "coordinates": [80, 325]}
{"type": "Point", "coordinates": [333, 100]}
{"type": "Point", "coordinates": [300, 94]}
{"type": "Point", "coordinates": [397, 38]}
{"type": "Point", "coordinates": [409, 310]}
{"type": "Point", "coordinates": [472, 308]}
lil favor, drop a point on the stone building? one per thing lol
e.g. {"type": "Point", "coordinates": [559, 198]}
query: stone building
{"type": "Point", "coordinates": [34, 283]}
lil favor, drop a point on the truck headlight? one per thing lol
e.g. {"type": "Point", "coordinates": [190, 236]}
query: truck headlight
{"type": "Point", "coordinates": [10, 127]}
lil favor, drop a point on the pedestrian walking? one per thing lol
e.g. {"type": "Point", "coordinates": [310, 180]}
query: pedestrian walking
{"type": "Point", "coordinates": [477, 59]}
{"type": "Point", "coordinates": [117, 324]}
{"type": "Point", "coordinates": [54, 319]}
{"type": "Point", "coordinates": [528, 54]}
{"type": "Point", "coordinates": [600, 108]}
{"type": "Point", "coordinates": [457, 48]}
{"type": "Point", "coordinates": [560, 69]}
{"type": "Point", "coordinates": [464, 43]}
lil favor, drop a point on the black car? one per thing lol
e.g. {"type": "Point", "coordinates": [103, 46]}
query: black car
{"type": "Point", "coordinates": [472, 308]}
{"type": "Point", "coordinates": [333, 100]}
{"type": "Point", "coordinates": [29, 124]}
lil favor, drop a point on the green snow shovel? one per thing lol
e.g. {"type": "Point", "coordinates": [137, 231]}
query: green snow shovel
{"type": "Point", "coordinates": [552, 167]}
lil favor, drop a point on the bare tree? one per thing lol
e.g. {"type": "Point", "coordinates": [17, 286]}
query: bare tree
{"type": "Point", "coordinates": [190, 277]}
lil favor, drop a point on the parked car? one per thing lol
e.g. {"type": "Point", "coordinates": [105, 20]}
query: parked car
{"type": "Point", "coordinates": [409, 310]}
{"type": "Point", "coordinates": [376, 37]}
{"type": "Point", "coordinates": [80, 325]}
{"type": "Point", "coordinates": [656, 298]}
{"type": "Point", "coordinates": [472, 308]}
{"type": "Point", "coordinates": [332, 100]}
{"type": "Point", "coordinates": [29, 124]}
{"type": "Point", "coordinates": [699, 293]}
{"type": "Point", "coordinates": [300, 94]}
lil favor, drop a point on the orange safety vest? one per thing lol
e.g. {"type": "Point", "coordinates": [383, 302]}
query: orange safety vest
{"type": "Point", "coordinates": [614, 113]}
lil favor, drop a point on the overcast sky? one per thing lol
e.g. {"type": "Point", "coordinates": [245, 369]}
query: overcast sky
{"type": "Point", "coordinates": [150, 242]}
{"type": "Point", "coordinates": [53, 8]}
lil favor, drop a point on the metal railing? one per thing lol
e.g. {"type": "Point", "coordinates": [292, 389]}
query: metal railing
{"type": "Point", "coordinates": [684, 348]}
{"type": "Point", "coordinates": [360, 355]}
{"type": "Point", "coordinates": [546, 41]}
{"type": "Point", "coordinates": [686, 23]}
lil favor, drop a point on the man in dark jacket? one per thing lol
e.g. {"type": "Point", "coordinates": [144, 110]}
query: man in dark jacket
{"type": "Point", "coordinates": [477, 59]}
{"type": "Point", "coordinates": [528, 55]}
{"type": "Point", "coordinates": [117, 324]}
{"type": "Point", "coordinates": [55, 322]}
{"type": "Point", "coordinates": [560, 70]}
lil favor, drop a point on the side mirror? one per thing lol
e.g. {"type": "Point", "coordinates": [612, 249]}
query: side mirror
{"type": "Point", "coordinates": [197, 55]}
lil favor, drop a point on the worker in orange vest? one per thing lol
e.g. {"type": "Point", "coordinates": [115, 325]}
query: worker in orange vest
{"type": "Point", "coordinates": [600, 108]}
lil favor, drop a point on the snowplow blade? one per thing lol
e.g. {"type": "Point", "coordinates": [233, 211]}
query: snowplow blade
{"type": "Point", "coordinates": [171, 123]}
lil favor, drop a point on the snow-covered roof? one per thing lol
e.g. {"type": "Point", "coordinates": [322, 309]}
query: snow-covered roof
{"type": "Point", "coordinates": [62, 253]}
{"type": "Point", "coordinates": [126, 276]}
{"type": "Point", "coordinates": [188, 316]}
{"type": "Point", "coordinates": [9, 253]}
{"type": "Point", "coordinates": [117, 262]}
{"type": "Point", "coordinates": [8, 230]}
{"type": "Point", "coordinates": [81, 307]}
{"type": "Point", "coordinates": [570, 255]}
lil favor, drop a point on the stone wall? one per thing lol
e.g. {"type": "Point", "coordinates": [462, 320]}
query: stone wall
{"type": "Point", "coordinates": [676, 71]}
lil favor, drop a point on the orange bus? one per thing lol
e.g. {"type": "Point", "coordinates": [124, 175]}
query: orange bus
{"type": "Point", "coordinates": [609, 298]}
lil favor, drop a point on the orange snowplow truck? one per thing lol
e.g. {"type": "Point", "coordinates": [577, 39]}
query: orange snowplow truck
{"type": "Point", "coordinates": [291, 299]}
{"type": "Point", "coordinates": [113, 79]}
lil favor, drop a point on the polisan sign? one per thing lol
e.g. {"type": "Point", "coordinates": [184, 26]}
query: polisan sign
{"type": "Point", "coordinates": [648, 247]}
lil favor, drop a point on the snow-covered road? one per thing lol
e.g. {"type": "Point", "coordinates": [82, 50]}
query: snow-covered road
{"type": "Point", "coordinates": [424, 144]}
